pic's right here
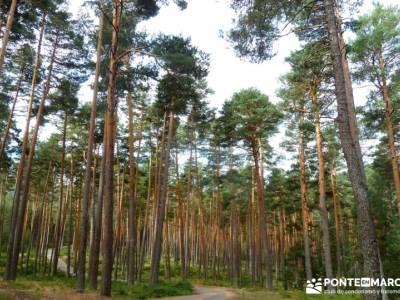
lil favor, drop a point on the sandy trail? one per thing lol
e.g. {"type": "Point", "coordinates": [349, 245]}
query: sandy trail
{"type": "Point", "coordinates": [207, 293]}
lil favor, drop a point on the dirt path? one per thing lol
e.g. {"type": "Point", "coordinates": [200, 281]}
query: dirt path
{"type": "Point", "coordinates": [207, 293]}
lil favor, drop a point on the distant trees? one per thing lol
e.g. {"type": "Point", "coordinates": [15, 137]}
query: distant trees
{"type": "Point", "coordinates": [253, 124]}
{"type": "Point", "coordinates": [186, 68]}
{"type": "Point", "coordinates": [307, 91]}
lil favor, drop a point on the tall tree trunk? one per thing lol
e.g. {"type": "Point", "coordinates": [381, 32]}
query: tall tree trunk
{"type": "Point", "coordinates": [3, 194]}
{"type": "Point", "coordinates": [132, 197]}
{"type": "Point", "coordinates": [187, 216]}
{"type": "Point", "coordinates": [338, 231]}
{"type": "Point", "coordinates": [136, 187]}
{"type": "Point", "coordinates": [166, 243]}
{"type": "Point", "coordinates": [181, 219]}
{"type": "Point", "coordinates": [304, 201]}
{"type": "Point", "coordinates": [348, 134]}
{"type": "Point", "coordinates": [95, 247]}
{"type": "Point", "coordinates": [390, 130]}
{"type": "Point", "coordinates": [282, 242]}
{"type": "Point", "coordinates": [257, 156]}
{"type": "Point", "coordinates": [110, 126]}
{"type": "Point", "coordinates": [6, 34]}
{"type": "Point", "coordinates": [321, 186]}
{"type": "Point", "coordinates": [71, 219]}
{"type": "Point", "coordinates": [58, 228]}
{"type": "Point", "coordinates": [81, 268]}
{"type": "Point", "coordinates": [146, 217]}
{"type": "Point", "coordinates": [252, 231]}
{"type": "Point", "coordinates": [6, 130]}
{"type": "Point", "coordinates": [25, 192]}
{"type": "Point", "coordinates": [14, 215]}
{"type": "Point", "coordinates": [157, 247]}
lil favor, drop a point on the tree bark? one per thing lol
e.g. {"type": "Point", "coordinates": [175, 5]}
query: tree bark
{"type": "Point", "coordinates": [262, 223]}
{"type": "Point", "coordinates": [110, 126]}
{"type": "Point", "coordinates": [348, 134]}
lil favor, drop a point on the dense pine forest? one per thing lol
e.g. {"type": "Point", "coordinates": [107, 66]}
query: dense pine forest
{"type": "Point", "coordinates": [140, 187]}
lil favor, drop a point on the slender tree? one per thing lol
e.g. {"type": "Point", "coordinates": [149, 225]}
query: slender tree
{"type": "Point", "coordinates": [109, 141]}
{"type": "Point", "coordinates": [81, 270]}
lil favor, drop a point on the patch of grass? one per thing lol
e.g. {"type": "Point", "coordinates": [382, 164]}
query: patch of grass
{"type": "Point", "coordinates": [5, 297]}
{"type": "Point", "coordinates": [162, 289]}
{"type": "Point", "coordinates": [328, 297]}
{"type": "Point", "coordinates": [246, 294]}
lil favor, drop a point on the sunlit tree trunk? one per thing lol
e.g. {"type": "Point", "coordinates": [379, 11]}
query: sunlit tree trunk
{"type": "Point", "coordinates": [110, 127]}
{"type": "Point", "coordinates": [262, 222]}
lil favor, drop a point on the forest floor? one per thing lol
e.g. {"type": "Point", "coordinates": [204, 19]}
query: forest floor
{"type": "Point", "coordinates": [61, 287]}
{"type": "Point", "coordinates": [55, 290]}
{"type": "Point", "coordinates": [37, 291]}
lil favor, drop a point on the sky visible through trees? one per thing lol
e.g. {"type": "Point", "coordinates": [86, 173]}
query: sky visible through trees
{"type": "Point", "coordinates": [226, 70]}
